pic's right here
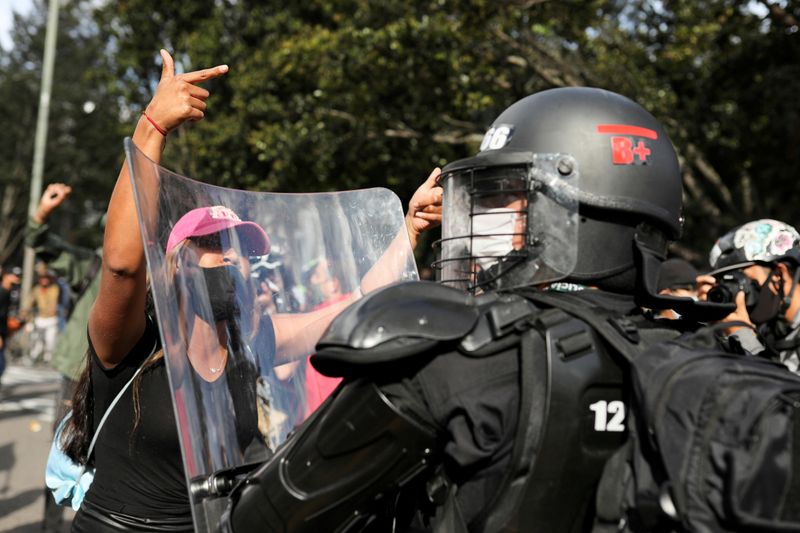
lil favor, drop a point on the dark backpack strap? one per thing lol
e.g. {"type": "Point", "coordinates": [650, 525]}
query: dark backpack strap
{"type": "Point", "coordinates": [530, 424]}
{"type": "Point", "coordinates": [559, 338]}
{"type": "Point", "coordinates": [621, 333]}
{"type": "Point", "coordinates": [448, 517]}
{"type": "Point", "coordinates": [610, 503]}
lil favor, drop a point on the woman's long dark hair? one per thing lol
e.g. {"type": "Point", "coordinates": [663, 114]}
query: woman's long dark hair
{"type": "Point", "coordinates": [78, 431]}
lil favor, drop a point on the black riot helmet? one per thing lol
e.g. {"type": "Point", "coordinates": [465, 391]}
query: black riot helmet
{"type": "Point", "coordinates": [576, 184]}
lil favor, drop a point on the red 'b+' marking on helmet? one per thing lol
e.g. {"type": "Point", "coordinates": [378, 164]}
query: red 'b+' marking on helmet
{"type": "Point", "coordinates": [623, 150]}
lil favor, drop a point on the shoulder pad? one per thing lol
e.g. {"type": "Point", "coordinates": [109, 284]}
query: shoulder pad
{"type": "Point", "coordinates": [399, 320]}
{"type": "Point", "coordinates": [411, 309]}
{"type": "Point", "coordinates": [411, 318]}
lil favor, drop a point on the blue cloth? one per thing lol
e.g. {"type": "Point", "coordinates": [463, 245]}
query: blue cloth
{"type": "Point", "coordinates": [67, 481]}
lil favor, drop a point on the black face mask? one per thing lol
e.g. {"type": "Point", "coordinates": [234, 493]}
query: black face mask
{"type": "Point", "coordinates": [222, 284]}
{"type": "Point", "coordinates": [768, 306]}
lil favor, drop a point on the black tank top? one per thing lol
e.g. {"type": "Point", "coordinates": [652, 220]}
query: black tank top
{"type": "Point", "coordinates": [137, 472]}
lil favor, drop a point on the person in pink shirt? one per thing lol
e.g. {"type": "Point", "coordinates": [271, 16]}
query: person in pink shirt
{"type": "Point", "coordinates": [329, 288]}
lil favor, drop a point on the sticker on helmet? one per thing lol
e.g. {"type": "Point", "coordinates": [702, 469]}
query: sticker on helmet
{"type": "Point", "coordinates": [764, 239]}
{"type": "Point", "coordinates": [628, 144]}
{"type": "Point", "coordinates": [497, 137]}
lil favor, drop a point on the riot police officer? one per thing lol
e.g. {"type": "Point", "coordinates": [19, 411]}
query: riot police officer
{"type": "Point", "coordinates": [490, 401]}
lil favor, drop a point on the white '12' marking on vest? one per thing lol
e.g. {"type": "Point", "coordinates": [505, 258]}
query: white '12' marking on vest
{"type": "Point", "coordinates": [602, 409]}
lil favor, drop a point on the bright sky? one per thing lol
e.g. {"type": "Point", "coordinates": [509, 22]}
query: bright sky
{"type": "Point", "coordinates": [7, 8]}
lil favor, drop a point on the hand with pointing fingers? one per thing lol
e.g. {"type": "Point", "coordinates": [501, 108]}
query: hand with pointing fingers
{"type": "Point", "coordinates": [178, 98]}
{"type": "Point", "coordinates": [117, 319]}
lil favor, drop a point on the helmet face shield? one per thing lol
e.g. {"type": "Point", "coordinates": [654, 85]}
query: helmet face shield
{"type": "Point", "coordinates": [509, 226]}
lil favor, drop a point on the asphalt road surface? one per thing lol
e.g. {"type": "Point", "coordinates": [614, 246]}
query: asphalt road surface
{"type": "Point", "coordinates": [27, 411]}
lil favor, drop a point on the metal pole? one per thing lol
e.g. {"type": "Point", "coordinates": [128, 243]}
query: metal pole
{"type": "Point", "coordinates": [41, 137]}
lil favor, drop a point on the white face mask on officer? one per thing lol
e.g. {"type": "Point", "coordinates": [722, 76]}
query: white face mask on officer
{"type": "Point", "coordinates": [510, 226]}
{"type": "Point", "coordinates": [493, 235]}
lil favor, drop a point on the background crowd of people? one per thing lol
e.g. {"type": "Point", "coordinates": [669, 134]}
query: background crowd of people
{"type": "Point", "coordinates": [39, 319]}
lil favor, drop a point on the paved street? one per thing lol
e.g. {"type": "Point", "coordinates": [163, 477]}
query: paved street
{"type": "Point", "coordinates": [27, 406]}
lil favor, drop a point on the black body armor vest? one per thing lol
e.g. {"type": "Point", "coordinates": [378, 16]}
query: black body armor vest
{"type": "Point", "coordinates": [573, 381]}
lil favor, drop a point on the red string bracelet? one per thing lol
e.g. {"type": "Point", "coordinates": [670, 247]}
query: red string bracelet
{"type": "Point", "coordinates": [158, 128]}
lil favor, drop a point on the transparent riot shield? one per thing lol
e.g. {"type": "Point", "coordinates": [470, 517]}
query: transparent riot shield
{"type": "Point", "coordinates": [244, 284]}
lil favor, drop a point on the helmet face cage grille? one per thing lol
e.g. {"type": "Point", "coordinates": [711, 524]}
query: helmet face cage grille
{"type": "Point", "coordinates": [496, 224]}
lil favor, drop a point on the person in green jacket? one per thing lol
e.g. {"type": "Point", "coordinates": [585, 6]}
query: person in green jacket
{"type": "Point", "coordinates": [79, 267]}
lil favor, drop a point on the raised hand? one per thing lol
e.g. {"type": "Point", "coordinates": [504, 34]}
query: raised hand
{"type": "Point", "coordinates": [178, 98]}
{"type": "Point", "coordinates": [425, 207]}
{"type": "Point", "coordinates": [704, 283]}
{"type": "Point", "coordinates": [54, 195]}
{"type": "Point", "coordinates": [117, 319]}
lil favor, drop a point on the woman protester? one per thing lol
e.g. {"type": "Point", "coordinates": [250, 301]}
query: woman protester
{"type": "Point", "coordinates": [139, 483]}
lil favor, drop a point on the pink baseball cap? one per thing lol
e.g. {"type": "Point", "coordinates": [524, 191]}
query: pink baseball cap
{"type": "Point", "coordinates": [208, 220]}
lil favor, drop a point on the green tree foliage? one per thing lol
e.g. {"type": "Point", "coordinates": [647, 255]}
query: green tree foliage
{"type": "Point", "coordinates": [84, 136]}
{"type": "Point", "coordinates": [332, 95]}
{"type": "Point", "coordinates": [336, 94]}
